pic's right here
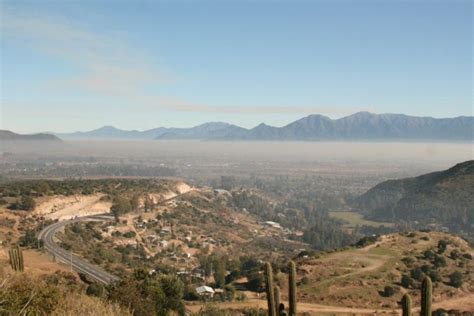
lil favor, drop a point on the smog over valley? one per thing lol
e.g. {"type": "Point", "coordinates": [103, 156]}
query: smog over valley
{"type": "Point", "coordinates": [210, 158]}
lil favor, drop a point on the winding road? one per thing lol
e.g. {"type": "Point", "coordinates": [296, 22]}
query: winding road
{"type": "Point", "coordinates": [78, 264]}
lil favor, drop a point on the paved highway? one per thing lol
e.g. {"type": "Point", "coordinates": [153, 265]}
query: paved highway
{"type": "Point", "coordinates": [78, 264]}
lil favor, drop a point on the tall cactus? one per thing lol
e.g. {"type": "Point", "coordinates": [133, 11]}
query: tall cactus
{"type": "Point", "coordinates": [277, 295]}
{"type": "Point", "coordinates": [16, 259]}
{"type": "Point", "coordinates": [20, 254]}
{"type": "Point", "coordinates": [269, 290]}
{"type": "Point", "coordinates": [406, 305]}
{"type": "Point", "coordinates": [292, 288]}
{"type": "Point", "coordinates": [426, 297]}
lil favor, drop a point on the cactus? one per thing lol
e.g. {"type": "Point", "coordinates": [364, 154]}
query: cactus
{"type": "Point", "coordinates": [269, 290]}
{"type": "Point", "coordinates": [281, 309]}
{"type": "Point", "coordinates": [20, 255]}
{"type": "Point", "coordinates": [406, 305]}
{"type": "Point", "coordinates": [277, 295]}
{"type": "Point", "coordinates": [426, 293]}
{"type": "Point", "coordinates": [16, 259]}
{"type": "Point", "coordinates": [292, 289]}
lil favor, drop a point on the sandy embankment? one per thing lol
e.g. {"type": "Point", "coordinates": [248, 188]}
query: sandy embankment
{"type": "Point", "coordinates": [181, 188]}
{"type": "Point", "coordinates": [66, 207]}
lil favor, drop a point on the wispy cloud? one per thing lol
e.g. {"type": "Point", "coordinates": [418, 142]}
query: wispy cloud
{"type": "Point", "coordinates": [106, 64]}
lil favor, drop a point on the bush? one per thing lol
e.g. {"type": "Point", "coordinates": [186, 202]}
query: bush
{"type": "Point", "coordinates": [130, 234]}
{"type": "Point", "coordinates": [428, 255]}
{"type": "Point", "coordinates": [442, 245]}
{"type": "Point", "coordinates": [455, 254]}
{"type": "Point", "coordinates": [435, 276]}
{"type": "Point", "coordinates": [95, 289]}
{"type": "Point", "coordinates": [417, 274]}
{"type": "Point", "coordinates": [467, 256]}
{"type": "Point", "coordinates": [389, 291]}
{"type": "Point", "coordinates": [406, 281]}
{"type": "Point", "coordinates": [456, 279]}
{"type": "Point", "coordinates": [440, 261]}
{"type": "Point", "coordinates": [408, 261]}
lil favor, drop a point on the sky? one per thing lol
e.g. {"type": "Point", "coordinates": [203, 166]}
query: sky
{"type": "Point", "coordinates": [78, 65]}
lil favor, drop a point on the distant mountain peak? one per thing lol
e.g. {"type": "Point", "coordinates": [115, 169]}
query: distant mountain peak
{"type": "Point", "coordinates": [6, 135]}
{"type": "Point", "coordinates": [358, 126]}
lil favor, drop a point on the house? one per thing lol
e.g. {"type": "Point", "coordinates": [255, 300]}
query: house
{"type": "Point", "coordinates": [205, 291]}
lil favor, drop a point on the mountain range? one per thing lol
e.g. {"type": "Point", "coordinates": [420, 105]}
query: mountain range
{"type": "Point", "coordinates": [358, 126]}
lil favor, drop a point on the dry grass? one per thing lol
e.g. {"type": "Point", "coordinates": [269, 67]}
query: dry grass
{"type": "Point", "coordinates": [79, 304]}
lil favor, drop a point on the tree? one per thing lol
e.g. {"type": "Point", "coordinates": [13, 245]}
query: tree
{"type": "Point", "coordinates": [220, 271]}
{"type": "Point", "coordinates": [27, 203]}
{"type": "Point", "coordinates": [120, 206]}
{"type": "Point", "coordinates": [255, 281]}
{"type": "Point", "coordinates": [456, 279]}
{"type": "Point", "coordinates": [173, 290]}
{"type": "Point", "coordinates": [135, 202]}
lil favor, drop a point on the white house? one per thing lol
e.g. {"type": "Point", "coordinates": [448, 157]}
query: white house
{"type": "Point", "coordinates": [205, 291]}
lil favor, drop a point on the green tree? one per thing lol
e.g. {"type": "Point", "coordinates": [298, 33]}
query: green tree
{"type": "Point", "coordinates": [27, 203]}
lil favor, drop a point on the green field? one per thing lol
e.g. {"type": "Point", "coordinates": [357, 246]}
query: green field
{"type": "Point", "coordinates": [353, 219]}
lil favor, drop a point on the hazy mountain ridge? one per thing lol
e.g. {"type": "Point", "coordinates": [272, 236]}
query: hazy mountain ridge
{"type": "Point", "coordinates": [11, 136]}
{"type": "Point", "coordinates": [444, 197]}
{"type": "Point", "coordinates": [359, 126]}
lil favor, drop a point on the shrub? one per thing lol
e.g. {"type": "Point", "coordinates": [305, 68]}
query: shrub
{"type": "Point", "coordinates": [129, 234]}
{"type": "Point", "coordinates": [389, 291]}
{"type": "Point", "coordinates": [467, 256]}
{"type": "Point", "coordinates": [408, 261]}
{"type": "Point", "coordinates": [442, 245]}
{"type": "Point", "coordinates": [455, 254]}
{"type": "Point", "coordinates": [406, 281]}
{"type": "Point", "coordinates": [417, 274]}
{"type": "Point", "coordinates": [435, 276]}
{"type": "Point", "coordinates": [456, 279]}
{"type": "Point", "coordinates": [440, 261]}
{"type": "Point", "coordinates": [428, 255]}
{"type": "Point", "coordinates": [95, 289]}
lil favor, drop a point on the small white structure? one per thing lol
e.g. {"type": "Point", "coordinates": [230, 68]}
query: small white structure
{"type": "Point", "coordinates": [273, 224]}
{"type": "Point", "coordinates": [205, 291]}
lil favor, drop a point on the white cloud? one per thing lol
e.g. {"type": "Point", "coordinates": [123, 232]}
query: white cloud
{"type": "Point", "coordinates": [107, 65]}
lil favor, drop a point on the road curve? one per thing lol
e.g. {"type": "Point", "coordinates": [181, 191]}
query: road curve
{"type": "Point", "coordinates": [78, 264]}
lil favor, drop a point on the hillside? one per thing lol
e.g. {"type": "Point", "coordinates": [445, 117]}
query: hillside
{"type": "Point", "coordinates": [10, 136]}
{"type": "Point", "coordinates": [445, 197]}
{"type": "Point", "coordinates": [357, 277]}
{"type": "Point", "coordinates": [358, 126]}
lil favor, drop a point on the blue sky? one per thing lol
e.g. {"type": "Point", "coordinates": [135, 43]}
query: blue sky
{"type": "Point", "coordinates": [78, 65]}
